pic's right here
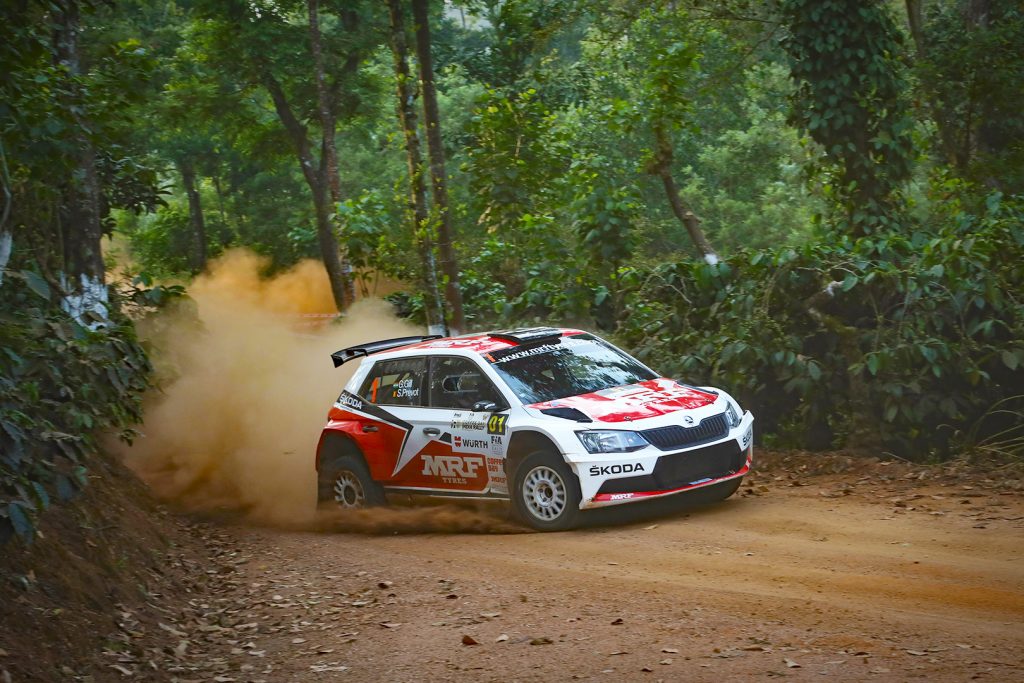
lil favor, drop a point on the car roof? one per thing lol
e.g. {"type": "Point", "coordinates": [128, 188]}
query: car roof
{"type": "Point", "coordinates": [486, 342]}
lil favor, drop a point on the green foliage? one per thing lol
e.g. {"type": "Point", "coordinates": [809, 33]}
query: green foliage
{"type": "Point", "coordinates": [372, 250]}
{"type": "Point", "coordinates": [971, 66]}
{"type": "Point", "coordinates": [844, 58]}
{"type": "Point", "coordinates": [60, 384]}
{"type": "Point", "coordinates": [514, 160]}
{"type": "Point", "coordinates": [919, 331]}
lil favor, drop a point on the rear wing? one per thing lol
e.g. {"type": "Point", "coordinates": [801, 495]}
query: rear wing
{"type": "Point", "coordinates": [361, 350]}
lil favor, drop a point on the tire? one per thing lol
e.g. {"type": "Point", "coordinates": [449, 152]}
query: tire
{"type": "Point", "coordinates": [718, 492]}
{"type": "Point", "coordinates": [349, 486]}
{"type": "Point", "coordinates": [545, 493]}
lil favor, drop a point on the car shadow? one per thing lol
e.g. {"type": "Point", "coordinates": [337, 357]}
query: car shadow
{"type": "Point", "coordinates": [651, 510]}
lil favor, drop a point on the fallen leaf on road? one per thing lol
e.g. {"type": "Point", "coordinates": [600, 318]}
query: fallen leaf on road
{"type": "Point", "coordinates": [617, 652]}
{"type": "Point", "coordinates": [670, 650]}
{"type": "Point", "coordinates": [666, 661]}
{"type": "Point", "coordinates": [916, 653]}
{"type": "Point", "coordinates": [618, 622]}
{"type": "Point", "coordinates": [390, 624]}
{"type": "Point", "coordinates": [647, 669]}
{"type": "Point", "coordinates": [651, 527]}
{"type": "Point", "coordinates": [791, 664]}
{"type": "Point", "coordinates": [298, 641]}
{"type": "Point", "coordinates": [541, 641]}
{"type": "Point", "coordinates": [469, 640]}
{"type": "Point", "coordinates": [502, 638]}
{"type": "Point", "coordinates": [173, 631]}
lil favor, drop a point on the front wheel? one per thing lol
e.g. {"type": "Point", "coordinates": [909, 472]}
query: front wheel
{"type": "Point", "coordinates": [546, 494]}
{"type": "Point", "coordinates": [351, 486]}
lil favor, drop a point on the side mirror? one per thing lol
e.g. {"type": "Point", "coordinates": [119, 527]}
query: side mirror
{"type": "Point", "coordinates": [486, 407]}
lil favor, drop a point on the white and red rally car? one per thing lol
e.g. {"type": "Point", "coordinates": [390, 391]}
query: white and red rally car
{"type": "Point", "coordinates": [557, 420]}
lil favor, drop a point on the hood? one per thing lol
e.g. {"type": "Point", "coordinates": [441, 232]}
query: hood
{"type": "Point", "coordinates": [634, 401]}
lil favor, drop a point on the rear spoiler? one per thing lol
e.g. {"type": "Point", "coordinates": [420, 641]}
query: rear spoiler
{"type": "Point", "coordinates": [345, 355]}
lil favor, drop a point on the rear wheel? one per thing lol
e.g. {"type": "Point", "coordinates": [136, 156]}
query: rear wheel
{"type": "Point", "coordinates": [348, 485]}
{"type": "Point", "coordinates": [546, 494]}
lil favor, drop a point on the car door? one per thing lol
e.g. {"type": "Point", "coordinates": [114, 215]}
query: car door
{"type": "Point", "coordinates": [466, 449]}
{"type": "Point", "coordinates": [390, 404]}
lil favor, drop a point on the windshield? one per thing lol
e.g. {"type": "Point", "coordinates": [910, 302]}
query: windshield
{"type": "Point", "coordinates": [570, 366]}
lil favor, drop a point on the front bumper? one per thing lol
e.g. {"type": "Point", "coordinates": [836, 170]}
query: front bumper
{"type": "Point", "coordinates": [644, 477]}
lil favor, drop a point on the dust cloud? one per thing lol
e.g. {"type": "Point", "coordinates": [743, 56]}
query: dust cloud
{"type": "Point", "coordinates": [246, 381]}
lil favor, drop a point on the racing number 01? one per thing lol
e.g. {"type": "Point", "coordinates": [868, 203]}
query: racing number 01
{"type": "Point", "coordinates": [496, 424]}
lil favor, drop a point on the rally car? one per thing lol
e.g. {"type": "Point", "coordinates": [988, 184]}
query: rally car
{"type": "Point", "coordinates": [556, 420]}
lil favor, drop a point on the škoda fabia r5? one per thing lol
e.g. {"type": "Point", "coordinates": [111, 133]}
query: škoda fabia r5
{"type": "Point", "coordinates": [555, 420]}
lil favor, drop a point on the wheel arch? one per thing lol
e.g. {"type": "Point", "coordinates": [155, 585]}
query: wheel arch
{"type": "Point", "coordinates": [334, 445]}
{"type": "Point", "coordinates": [522, 444]}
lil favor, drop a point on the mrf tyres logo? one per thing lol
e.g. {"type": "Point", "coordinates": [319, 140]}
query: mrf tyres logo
{"type": "Point", "coordinates": [452, 469]}
{"type": "Point", "coordinates": [619, 468]}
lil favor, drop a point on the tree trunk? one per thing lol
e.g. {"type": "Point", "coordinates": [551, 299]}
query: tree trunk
{"type": "Point", "coordinates": [85, 288]}
{"type": "Point", "coordinates": [946, 129]}
{"type": "Point", "coordinates": [328, 126]}
{"type": "Point", "coordinates": [422, 228]}
{"type": "Point", "coordinates": [314, 176]}
{"type": "Point", "coordinates": [220, 199]}
{"type": "Point", "coordinates": [439, 184]}
{"type": "Point", "coordinates": [195, 212]}
{"type": "Point", "coordinates": [662, 167]}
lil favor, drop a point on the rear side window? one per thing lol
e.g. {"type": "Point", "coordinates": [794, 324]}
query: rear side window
{"type": "Point", "coordinates": [459, 383]}
{"type": "Point", "coordinates": [396, 382]}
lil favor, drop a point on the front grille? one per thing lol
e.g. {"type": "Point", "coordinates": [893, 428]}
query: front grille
{"type": "Point", "coordinates": [682, 469]}
{"type": "Point", "coordinates": [674, 437]}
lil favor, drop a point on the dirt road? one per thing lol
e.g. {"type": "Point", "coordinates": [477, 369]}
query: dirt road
{"type": "Point", "coordinates": [876, 579]}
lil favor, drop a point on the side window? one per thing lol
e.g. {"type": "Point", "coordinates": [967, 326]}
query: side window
{"type": "Point", "coordinates": [458, 383]}
{"type": "Point", "coordinates": [396, 382]}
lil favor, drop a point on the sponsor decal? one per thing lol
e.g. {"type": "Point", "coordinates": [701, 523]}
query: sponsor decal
{"type": "Point", "coordinates": [624, 468]}
{"type": "Point", "coordinates": [496, 472]}
{"type": "Point", "coordinates": [451, 469]}
{"type": "Point", "coordinates": [621, 496]}
{"type": "Point", "coordinates": [688, 420]}
{"type": "Point", "coordinates": [496, 424]}
{"type": "Point", "coordinates": [470, 424]}
{"type": "Point", "coordinates": [516, 353]}
{"type": "Point", "coordinates": [351, 401]}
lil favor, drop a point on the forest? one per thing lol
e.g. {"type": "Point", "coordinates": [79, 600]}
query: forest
{"type": "Point", "coordinates": [816, 204]}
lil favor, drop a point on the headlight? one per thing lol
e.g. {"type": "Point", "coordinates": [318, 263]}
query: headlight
{"type": "Point", "coordinates": [731, 415]}
{"type": "Point", "coordinates": [611, 441]}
